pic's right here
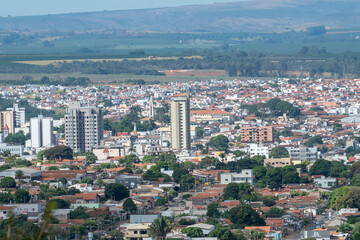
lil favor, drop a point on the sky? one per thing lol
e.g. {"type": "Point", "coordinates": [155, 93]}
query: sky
{"type": "Point", "coordinates": [44, 7]}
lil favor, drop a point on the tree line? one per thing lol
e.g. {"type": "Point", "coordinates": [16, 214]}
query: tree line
{"type": "Point", "coordinates": [309, 59]}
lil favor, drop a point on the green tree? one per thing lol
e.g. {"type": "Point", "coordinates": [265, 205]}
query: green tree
{"type": "Point", "coordinates": [259, 172]}
{"type": "Point", "coordinates": [320, 167]}
{"type": "Point", "coordinates": [273, 177]}
{"type": "Point", "coordinates": [6, 197]}
{"type": "Point", "coordinates": [21, 196]}
{"type": "Point", "coordinates": [269, 202]}
{"type": "Point", "coordinates": [255, 235]}
{"type": "Point", "coordinates": [58, 203]}
{"type": "Point", "coordinates": [290, 177]}
{"type": "Point", "coordinates": [116, 191]}
{"type": "Point", "coordinates": [355, 168]}
{"type": "Point", "coordinates": [313, 141]}
{"type": "Point", "coordinates": [90, 158]}
{"type": "Point", "coordinates": [344, 227]}
{"type": "Point", "coordinates": [7, 182]}
{"type": "Point", "coordinates": [53, 168]}
{"type": "Point", "coordinates": [224, 233]}
{"type": "Point", "coordinates": [199, 132]}
{"type": "Point", "coordinates": [19, 174]}
{"type": "Point", "coordinates": [148, 159]}
{"type": "Point", "coordinates": [58, 152]}
{"type": "Point", "coordinates": [79, 213]}
{"type": "Point", "coordinates": [338, 198]}
{"type": "Point", "coordinates": [129, 159]}
{"type": "Point", "coordinates": [160, 227]}
{"type": "Point", "coordinates": [87, 180]}
{"type": "Point", "coordinates": [212, 210]}
{"type": "Point", "coordinates": [129, 206]}
{"type": "Point", "coordinates": [244, 215]}
{"type": "Point", "coordinates": [18, 138]}
{"type": "Point", "coordinates": [187, 181]}
{"type": "Point", "coordinates": [275, 212]}
{"type": "Point", "coordinates": [186, 222]}
{"type": "Point", "coordinates": [279, 152]}
{"type": "Point", "coordinates": [193, 232]}
{"type": "Point", "coordinates": [355, 180]}
{"type": "Point", "coordinates": [220, 142]}
{"type": "Point", "coordinates": [338, 169]}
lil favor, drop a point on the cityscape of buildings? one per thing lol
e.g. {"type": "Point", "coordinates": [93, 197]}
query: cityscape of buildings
{"type": "Point", "coordinates": [191, 152]}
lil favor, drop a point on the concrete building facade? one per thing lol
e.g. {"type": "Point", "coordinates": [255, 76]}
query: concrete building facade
{"type": "Point", "coordinates": [245, 176]}
{"type": "Point", "coordinates": [19, 114]}
{"type": "Point", "coordinates": [41, 130]}
{"type": "Point", "coordinates": [278, 162]}
{"type": "Point", "coordinates": [7, 120]}
{"type": "Point", "coordinates": [180, 121]}
{"type": "Point", "coordinates": [83, 127]}
{"type": "Point", "coordinates": [304, 154]}
{"type": "Point", "coordinates": [256, 134]}
{"type": "Point", "coordinates": [258, 150]}
{"type": "Point", "coordinates": [210, 115]}
{"type": "Point", "coordinates": [14, 149]}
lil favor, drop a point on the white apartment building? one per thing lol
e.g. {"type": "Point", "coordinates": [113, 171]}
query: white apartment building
{"type": "Point", "coordinates": [245, 176]}
{"type": "Point", "coordinates": [255, 149]}
{"type": "Point", "coordinates": [41, 130]}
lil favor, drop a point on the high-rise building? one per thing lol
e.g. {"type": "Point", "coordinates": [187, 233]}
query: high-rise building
{"type": "Point", "coordinates": [180, 121]}
{"type": "Point", "coordinates": [41, 130]}
{"type": "Point", "coordinates": [19, 114]}
{"type": "Point", "coordinates": [151, 107]}
{"type": "Point", "coordinates": [7, 119]}
{"type": "Point", "coordinates": [83, 127]}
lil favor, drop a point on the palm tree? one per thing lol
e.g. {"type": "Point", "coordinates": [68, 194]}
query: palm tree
{"type": "Point", "coordinates": [344, 227]}
{"type": "Point", "coordinates": [160, 227]}
{"type": "Point", "coordinates": [19, 174]}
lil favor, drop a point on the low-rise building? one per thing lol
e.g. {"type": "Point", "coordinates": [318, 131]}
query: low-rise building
{"type": "Point", "coordinates": [316, 234]}
{"type": "Point", "coordinates": [325, 182]}
{"type": "Point", "coordinates": [137, 231]}
{"type": "Point", "coordinates": [245, 176]}
{"type": "Point", "coordinates": [278, 162]}
{"type": "Point", "coordinates": [14, 149]}
{"type": "Point", "coordinates": [129, 181]}
{"type": "Point", "coordinates": [210, 115]}
{"type": "Point", "coordinates": [205, 228]}
{"type": "Point", "coordinates": [30, 173]}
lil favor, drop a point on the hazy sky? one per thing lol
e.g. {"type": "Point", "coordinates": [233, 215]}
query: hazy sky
{"type": "Point", "coordinates": [42, 7]}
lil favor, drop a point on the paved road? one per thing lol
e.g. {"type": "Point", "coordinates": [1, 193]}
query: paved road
{"type": "Point", "coordinates": [297, 235]}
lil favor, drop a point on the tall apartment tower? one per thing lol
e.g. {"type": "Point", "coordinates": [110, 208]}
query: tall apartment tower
{"type": "Point", "coordinates": [151, 107]}
{"type": "Point", "coordinates": [41, 130]}
{"type": "Point", "coordinates": [7, 120]}
{"type": "Point", "coordinates": [19, 114]}
{"type": "Point", "coordinates": [83, 127]}
{"type": "Point", "coordinates": [180, 121]}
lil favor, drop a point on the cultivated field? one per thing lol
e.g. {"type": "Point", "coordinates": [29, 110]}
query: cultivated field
{"type": "Point", "coordinates": [175, 76]}
{"type": "Point", "coordinates": [54, 62]}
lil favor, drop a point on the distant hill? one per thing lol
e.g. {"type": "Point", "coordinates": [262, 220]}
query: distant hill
{"type": "Point", "coordinates": [248, 16]}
